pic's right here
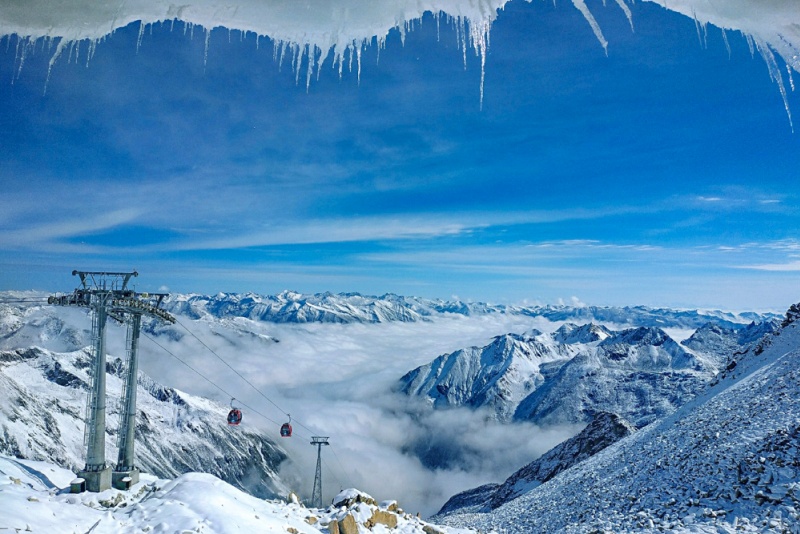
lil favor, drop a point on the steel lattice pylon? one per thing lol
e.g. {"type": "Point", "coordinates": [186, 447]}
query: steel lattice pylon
{"type": "Point", "coordinates": [316, 495]}
{"type": "Point", "coordinates": [107, 295]}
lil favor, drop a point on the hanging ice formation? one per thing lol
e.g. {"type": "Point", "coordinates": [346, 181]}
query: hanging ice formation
{"type": "Point", "coordinates": [310, 31]}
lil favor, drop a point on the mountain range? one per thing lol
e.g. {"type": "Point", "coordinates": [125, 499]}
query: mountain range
{"type": "Point", "coordinates": [577, 371]}
{"type": "Point", "coordinates": [293, 307]}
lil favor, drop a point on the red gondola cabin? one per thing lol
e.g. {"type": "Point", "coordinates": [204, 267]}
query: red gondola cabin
{"type": "Point", "coordinates": [234, 417]}
{"type": "Point", "coordinates": [286, 430]}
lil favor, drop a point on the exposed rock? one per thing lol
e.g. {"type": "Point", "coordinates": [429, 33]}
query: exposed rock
{"type": "Point", "coordinates": [348, 525]}
{"type": "Point", "coordinates": [381, 517]}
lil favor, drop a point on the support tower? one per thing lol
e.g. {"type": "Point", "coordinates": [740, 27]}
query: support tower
{"type": "Point", "coordinates": [316, 495]}
{"type": "Point", "coordinates": [107, 295]}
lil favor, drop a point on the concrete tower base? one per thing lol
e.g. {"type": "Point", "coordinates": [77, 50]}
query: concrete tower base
{"type": "Point", "coordinates": [123, 480]}
{"type": "Point", "coordinates": [96, 481]}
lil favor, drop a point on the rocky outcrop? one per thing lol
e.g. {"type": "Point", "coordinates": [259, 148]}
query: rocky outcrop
{"type": "Point", "coordinates": [354, 511]}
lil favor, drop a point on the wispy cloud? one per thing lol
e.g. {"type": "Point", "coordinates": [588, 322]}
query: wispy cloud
{"type": "Point", "coordinates": [792, 266]}
{"type": "Point", "coordinates": [72, 226]}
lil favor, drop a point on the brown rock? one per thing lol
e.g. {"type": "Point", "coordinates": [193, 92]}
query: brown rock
{"type": "Point", "coordinates": [384, 518]}
{"type": "Point", "coordinates": [348, 525]}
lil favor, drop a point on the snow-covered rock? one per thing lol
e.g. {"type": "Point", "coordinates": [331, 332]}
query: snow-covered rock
{"type": "Point", "coordinates": [570, 333]}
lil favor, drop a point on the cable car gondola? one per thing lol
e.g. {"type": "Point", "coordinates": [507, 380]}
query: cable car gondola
{"type": "Point", "coordinates": [235, 415]}
{"type": "Point", "coordinates": [286, 428]}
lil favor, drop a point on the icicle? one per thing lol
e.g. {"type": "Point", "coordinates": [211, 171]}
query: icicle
{"type": "Point", "coordinates": [705, 36]}
{"type": "Point", "coordinates": [141, 35]}
{"type": "Point", "coordinates": [297, 60]}
{"type": "Point", "coordinates": [91, 51]}
{"type": "Point", "coordinates": [283, 54]}
{"type": "Point", "coordinates": [791, 76]}
{"type": "Point", "coordinates": [627, 11]}
{"type": "Point", "coordinates": [727, 44]}
{"type": "Point", "coordinates": [21, 54]}
{"type": "Point", "coordinates": [751, 45]}
{"type": "Point", "coordinates": [205, 51]}
{"type": "Point", "coordinates": [352, 53]}
{"type": "Point", "coordinates": [72, 46]}
{"type": "Point", "coordinates": [581, 5]}
{"type": "Point", "coordinates": [312, 53]}
{"type": "Point", "coordinates": [358, 62]}
{"type": "Point", "coordinates": [60, 48]}
{"type": "Point", "coordinates": [775, 75]}
{"type": "Point", "coordinates": [461, 34]}
{"type": "Point", "coordinates": [697, 27]}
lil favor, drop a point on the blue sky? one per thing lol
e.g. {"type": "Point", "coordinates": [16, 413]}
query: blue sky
{"type": "Point", "coordinates": [665, 173]}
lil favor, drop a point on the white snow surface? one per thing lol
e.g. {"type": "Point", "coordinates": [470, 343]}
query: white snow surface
{"type": "Point", "coordinates": [729, 460]}
{"type": "Point", "coordinates": [34, 497]}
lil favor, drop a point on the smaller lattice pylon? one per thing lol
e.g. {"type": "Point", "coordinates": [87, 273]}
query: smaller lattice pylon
{"type": "Point", "coordinates": [316, 494]}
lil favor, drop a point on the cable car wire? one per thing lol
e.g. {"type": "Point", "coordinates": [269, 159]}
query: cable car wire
{"type": "Point", "coordinates": [249, 408]}
{"type": "Point", "coordinates": [204, 377]}
{"type": "Point", "coordinates": [229, 366]}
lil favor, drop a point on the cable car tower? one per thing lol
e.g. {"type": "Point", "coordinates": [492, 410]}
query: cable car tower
{"type": "Point", "coordinates": [107, 295]}
{"type": "Point", "coordinates": [316, 495]}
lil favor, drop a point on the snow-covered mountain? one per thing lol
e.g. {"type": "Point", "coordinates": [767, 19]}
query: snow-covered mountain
{"type": "Point", "coordinates": [605, 429]}
{"type": "Point", "coordinates": [499, 375]}
{"type": "Point", "coordinates": [35, 498]}
{"type": "Point", "coordinates": [568, 376]}
{"type": "Point", "coordinates": [719, 343]}
{"type": "Point", "coordinates": [728, 460]}
{"type": "Point", "coordinates": [42, 400]}
{"type": "Point", "coordinates": [293, 307]}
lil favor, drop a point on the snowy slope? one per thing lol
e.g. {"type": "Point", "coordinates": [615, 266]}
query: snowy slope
{"type": "Point", "coordinates": [727, 460]}
{"type": "Point", "coordinates": [33, 500]}
{"type": "Point", "coordinates": [605, 429]}
{"type": "Point", "coordinates": [42, 407]}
